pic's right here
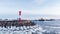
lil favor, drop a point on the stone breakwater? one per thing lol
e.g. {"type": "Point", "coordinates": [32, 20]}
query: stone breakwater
{"type": "Point", "coordinates": [9, 23]}
{"type": "Point", "coordinates": [16, 27]}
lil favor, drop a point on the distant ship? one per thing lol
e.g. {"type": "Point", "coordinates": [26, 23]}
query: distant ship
{"type": "Point", "coordinates": [46, 19]}
{"type": "Point", "coordinates": [41, 19]}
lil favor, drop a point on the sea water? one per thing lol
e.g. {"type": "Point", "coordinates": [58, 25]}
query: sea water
{"type": "Point", "coordinates": [41, 27]}
{"type": "Point", "coordinates": [50, 27]}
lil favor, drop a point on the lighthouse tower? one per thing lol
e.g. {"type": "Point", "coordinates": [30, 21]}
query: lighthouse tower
{"type": "Point", "coordinates": [19, 16]}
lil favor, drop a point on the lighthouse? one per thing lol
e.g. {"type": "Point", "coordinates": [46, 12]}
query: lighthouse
{"type": "Point", "coordinates": [19, 16]}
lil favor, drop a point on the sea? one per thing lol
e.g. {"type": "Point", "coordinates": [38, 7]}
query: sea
{"type": "Point", "coordinates": [41, 27]}
{"type": "Point", "coordinates": [50, 27]}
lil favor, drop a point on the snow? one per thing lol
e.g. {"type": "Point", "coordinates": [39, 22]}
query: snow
{"type": "Point", "coordinates": [21, 30]}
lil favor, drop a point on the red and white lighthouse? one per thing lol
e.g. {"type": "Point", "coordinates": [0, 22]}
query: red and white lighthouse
{"type": "Point", "coordinates": [19, 16]}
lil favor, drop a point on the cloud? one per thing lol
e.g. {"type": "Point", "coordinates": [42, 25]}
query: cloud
{"type": "Point", "coordinates": [45, 11]}
{"type": "Point", "coordinates": [8, 7]}
{"type": "Point", "coordinates": [39, 2]}
{"type": "Point", "coordinates": [50, 8]}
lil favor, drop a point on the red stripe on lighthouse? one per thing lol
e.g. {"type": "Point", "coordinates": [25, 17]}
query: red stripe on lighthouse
{"type": "Point", "coordinates": [19, 19]}
{"type": "Point", "coordinates": [20, 13]}
{"type": "Point", "coordinates": [19, 16]}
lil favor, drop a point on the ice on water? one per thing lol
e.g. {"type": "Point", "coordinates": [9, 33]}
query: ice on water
{"type": "Point", "coordinates": [21, 30]}
{"type": "Point", "coordinates": [37, 29]}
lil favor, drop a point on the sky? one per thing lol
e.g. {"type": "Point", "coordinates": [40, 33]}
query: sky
{"type": "Point", "coordinates": [31, 9]}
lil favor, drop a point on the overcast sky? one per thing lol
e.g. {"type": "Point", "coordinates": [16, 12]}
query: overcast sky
{"type": "Point", "coordinates": [29, 8]}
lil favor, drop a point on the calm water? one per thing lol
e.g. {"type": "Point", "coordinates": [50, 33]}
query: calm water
{"type": "Point", "coordinates": [51, 27]}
